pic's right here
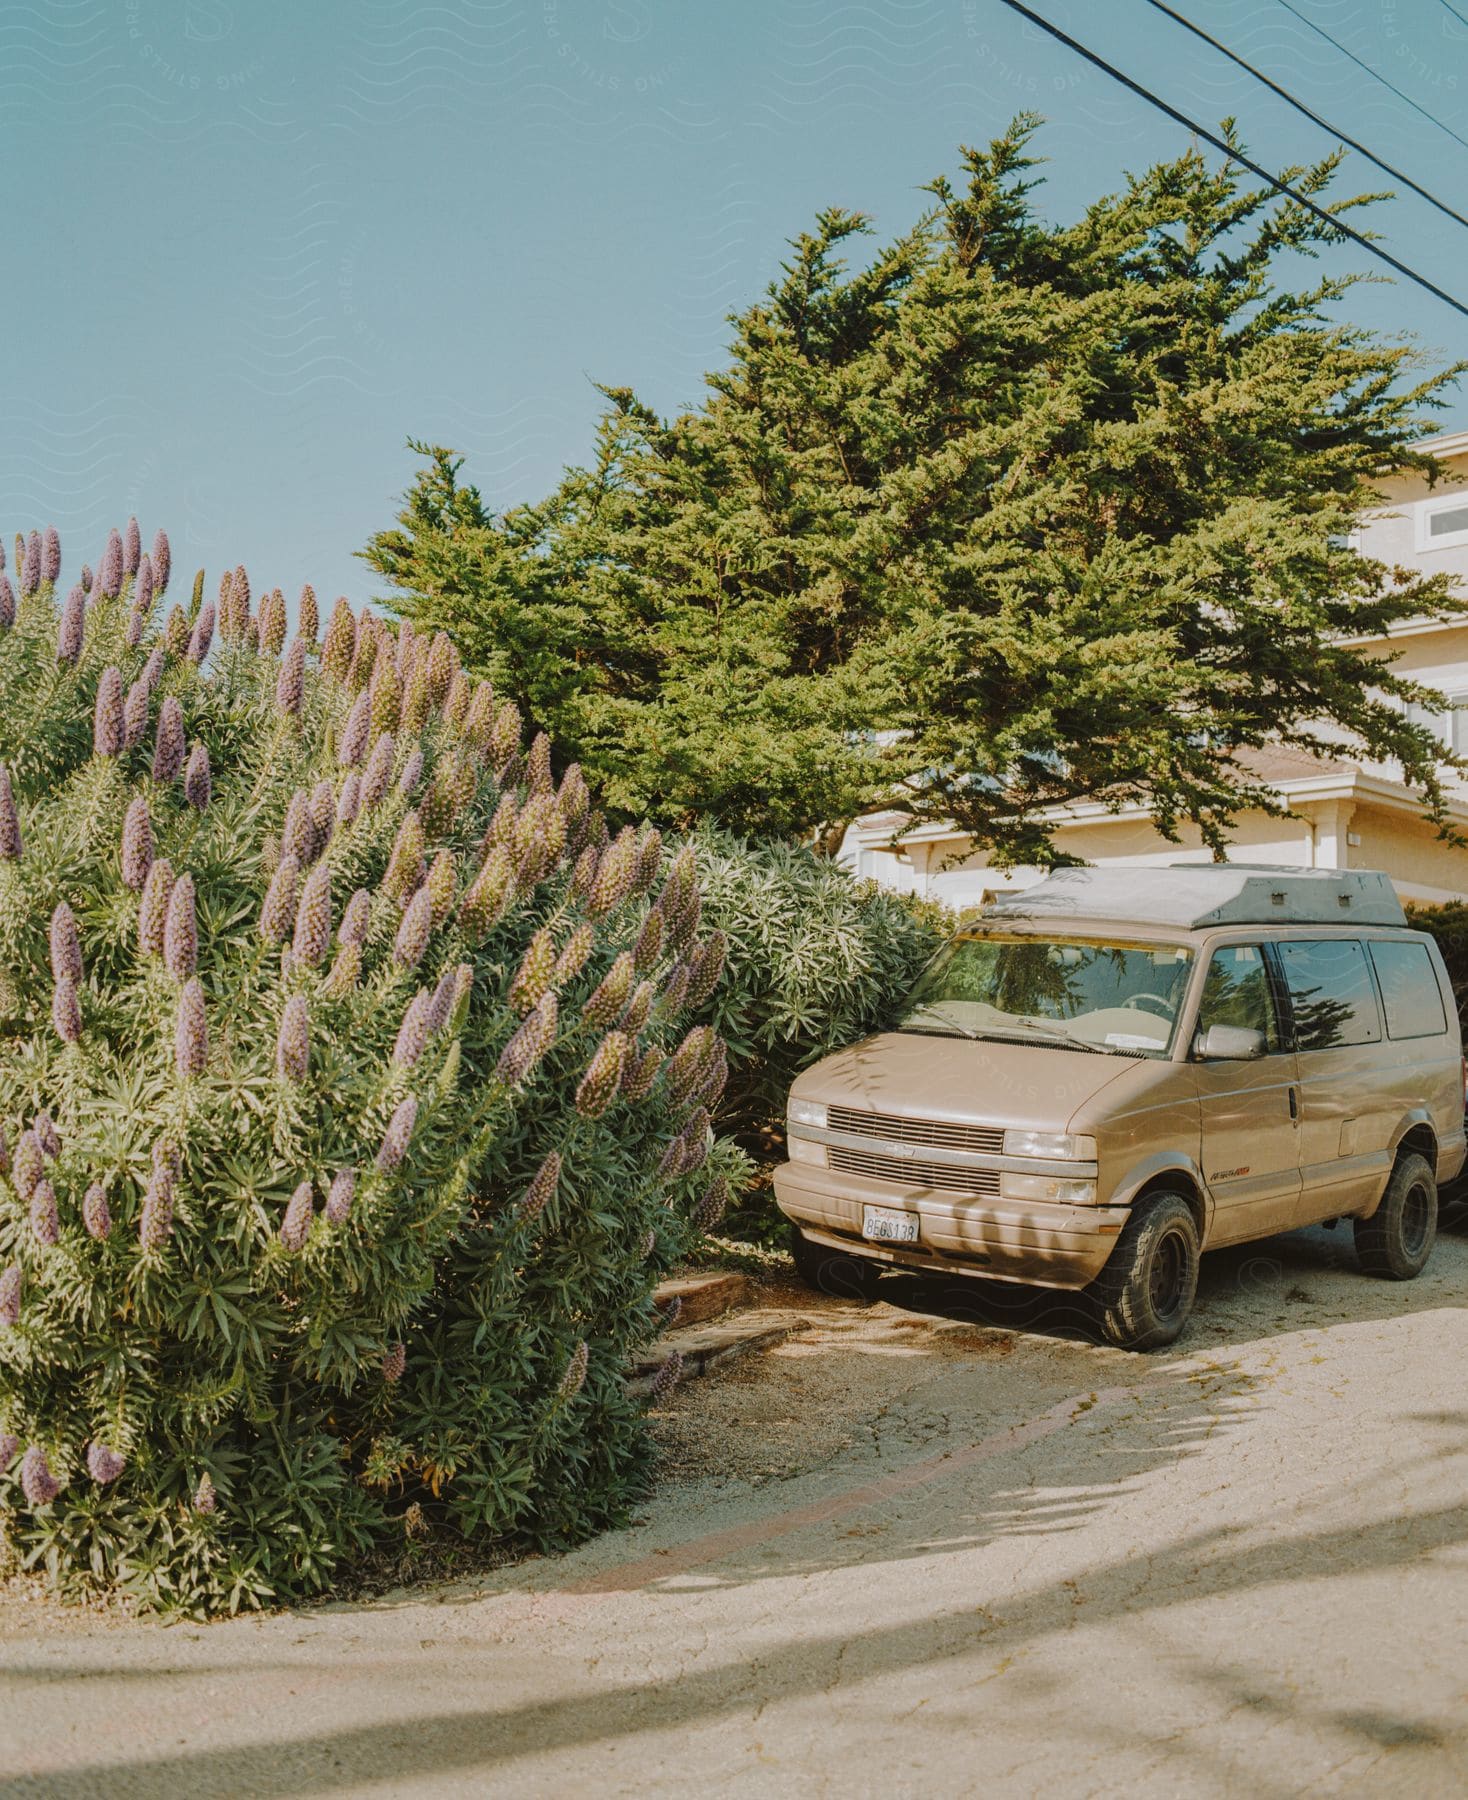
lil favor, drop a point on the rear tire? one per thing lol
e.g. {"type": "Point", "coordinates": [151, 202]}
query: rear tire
{"type": "Point", "coordinates": [839, 1273]}
{"type": "Point", "coordinates": [1146, 1290]}
{"type": "Point", "coordinates": [1396, 1241]}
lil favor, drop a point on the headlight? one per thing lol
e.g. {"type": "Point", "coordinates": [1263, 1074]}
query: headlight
{"type": "Point", "coordinates": [808, 1112]}
{"type": "Point", "coordinates": [1046, 1187]}
{"type": "Point", "coordinates": [1050, 1143]}
{"type": "Point", "coordinates": [806, 1150]}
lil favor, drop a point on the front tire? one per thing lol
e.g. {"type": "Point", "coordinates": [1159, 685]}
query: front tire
{"type": "Point", "coordinates": [1396, 1241]}
{"type": "Point", "coordinates": [835, 1272]}
{"type": "Point", "coordinates": [1146, 1290]}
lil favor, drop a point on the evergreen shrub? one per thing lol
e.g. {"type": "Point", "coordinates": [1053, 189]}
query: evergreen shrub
{"type": "Point", "coordinates": [351, 1095]}
{"type": "Point", "coordinates": [816, 960]}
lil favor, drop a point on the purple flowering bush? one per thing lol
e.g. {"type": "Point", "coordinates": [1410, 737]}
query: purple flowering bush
{"type": "Point", "coordinates": [354, 1092]}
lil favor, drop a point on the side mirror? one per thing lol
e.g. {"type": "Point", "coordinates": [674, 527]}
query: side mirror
{"type": "Point", "coordinates": [1229, 1043]}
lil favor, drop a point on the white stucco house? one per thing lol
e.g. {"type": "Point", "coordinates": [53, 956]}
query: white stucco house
{"type": "Point", "coordinates": [1341, 814]}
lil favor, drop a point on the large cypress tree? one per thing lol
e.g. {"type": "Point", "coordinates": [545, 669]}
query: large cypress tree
{"type": "Point", "coordinates": [1014, 515]}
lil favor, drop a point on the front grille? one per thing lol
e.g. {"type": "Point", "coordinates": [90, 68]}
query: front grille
{"type": "Point", "coordinates": [986, 1138]}
{"type": "Point", "coordinates": [912, 1174]}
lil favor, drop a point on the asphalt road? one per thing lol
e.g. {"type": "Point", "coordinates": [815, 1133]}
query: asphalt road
{"type": "Point", "coordinates": [918, 1550]}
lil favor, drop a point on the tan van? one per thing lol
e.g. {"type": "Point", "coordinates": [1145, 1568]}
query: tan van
{"type": "Point", "coordinates": [1116, 1070]}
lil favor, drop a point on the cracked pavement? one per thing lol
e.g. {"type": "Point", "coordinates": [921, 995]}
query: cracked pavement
{"type": "Point", "coordinates": [941, 1543]}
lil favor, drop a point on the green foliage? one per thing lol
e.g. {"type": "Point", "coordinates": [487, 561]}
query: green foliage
{"type": "Point", "coordinates": [1017, 514]}
{"type": "Point", "coordinates": [1448, 924]}
{"type": "Point", "coordinates": [341, 1223]}
{"type": "Point", "coordinates": [815, 961]}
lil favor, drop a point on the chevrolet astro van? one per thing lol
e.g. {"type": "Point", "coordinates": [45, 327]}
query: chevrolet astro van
{"type": "Point", "coordinates": [1114, 1071]}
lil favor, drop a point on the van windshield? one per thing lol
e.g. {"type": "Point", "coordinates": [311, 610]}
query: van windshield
{"type": "Point", "coordinates": [1075, 993]}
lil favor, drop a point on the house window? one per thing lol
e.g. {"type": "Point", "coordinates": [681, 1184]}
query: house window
{"type": "Point", "coordinates": [1449, 723]}
{"type": "Point", "coordinates": [1442, 523]}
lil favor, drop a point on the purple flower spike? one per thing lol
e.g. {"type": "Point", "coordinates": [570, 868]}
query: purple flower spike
{"type": "Point", "coordinates": [50, 555]}
{"type": "Point", "coordinates": [168, 744]}
{"type": "Point", "coordinates": [202, 635]}
{"type": "Point", "coordinates": [349, 802]}
{"type": "Point", "coordinates": [279, 908]}
{"type": "Point", "coordinates": [7, 603]}
{"type": "Point", "coordinates": [574, 1377]}
{"type": "Point", "coordinates": [413, 933]}
{"type": "Point", "coordinates": [47, 1137]}
{"type": "Point", "coordinates": [29, 567]}
{"type": "Point", "coordinates": [162, 559]}
{"type": "Point", "coordinates": [342, 1193]}
{"type": "Point", "coordinates": [197, 784]}
{"type": "Point", "coordinates": [153, 907]}
{"type": "Point", "coordinates": [191, 1032]}
{"type": "Point", "coordinates": [137, 845]}
{"type": "Point", "coordinates": [412, 1038]}
{"type": "Point", "coordinates": [104, 1465]}
{"type": "Point", "coordinates": [107, 729]}
{"type": "Point", "coordinates": [300, 1215]}
{"type": "Point", "coordinates": [542, 1188]}
{"type": "Point", "coordinates": [290, 684]}
{"type": "Point", "coordinates": [156, 1225]}
{"type": "Point", "coordinates": [29, 1165]}
{"type": "Point", "coordinates": [96, 1214]}
{"type": "Point", "coordinates": [313, 919]}
{"type": "Point", "coordinates": [356, 919]}
{"type": "Point", "coordinates": [293, 1044]}
{"type": "Point", "coordinates": [87, 578]}
{"type": "Point", "coordinates": [309, 614]}
{"type": "Point", "coordinates": [144, 588]}
{"type": "Point", "coordinates": [412, 773]}
{"type": "Point", "coordinates": [153, 669]}
{"type": "Point", "coordinates": [9, 819]}
{"type": "Point", "coordinates": [66, 945]}
{"type": "Point", "coordinates": [396, 1138]}
{"type": "Point", "coordinates": [45, 1221]}
{"type": "Point", "coordinates": [9, 1445]}
{"type": "Point", "coordinates": [11, 1281]}
{"type": "Point", "coordinates": [181, 931]}
{"type": "Point", "coordinates": [132, 548]}
{"type": "Point", "coordinates": [442, 1003]}
{"type": "Point", "coordinates": [379, 771]}
{"type": "Point", "coordinates": [355, 732]}
{"type": "Point", "coordinates": [109, 575]}
{"type": "Point", "coordinates": [135, 713]}
{"type": "Point", "coordinates": [72, 628]}
{"type": "Point", "coordinates": [66, 1012]}
{"type": "Point", "coordinates": [206, 1499]}
{"type": "Point", "coordinates": [38, 1484]}
{"type": "Point", "coordinates": [394, 1361]}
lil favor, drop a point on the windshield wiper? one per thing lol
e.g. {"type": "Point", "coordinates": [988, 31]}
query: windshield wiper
{"type": "Point", "coordinates": [1056, 1036]}
{"type": "Point", "coordinates": [948, 1018]}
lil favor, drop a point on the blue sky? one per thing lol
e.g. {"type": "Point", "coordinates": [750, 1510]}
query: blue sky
{"type": "Point", "coordinates": [252, 247]}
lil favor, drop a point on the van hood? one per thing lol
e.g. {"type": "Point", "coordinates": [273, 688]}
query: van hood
{"type": "Point", "coordinates": [972, 1081]}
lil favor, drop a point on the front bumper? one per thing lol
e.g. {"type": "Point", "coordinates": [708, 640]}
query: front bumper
{"type": "Point", "coordinates": [1038, 1243]}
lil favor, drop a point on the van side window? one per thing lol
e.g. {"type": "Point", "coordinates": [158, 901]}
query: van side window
{"type": "Point", "coordinates": [1331, 994]}
{"type": "Point", "coordinates": [1409, 990]}
{"type": "Point", "coordinates": [1236, 991]}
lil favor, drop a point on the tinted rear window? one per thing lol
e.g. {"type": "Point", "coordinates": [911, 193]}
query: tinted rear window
{"type": "Point", "coordinates": [1331, 994]}
{"type": "Point", "coordinates": [1409, 990]}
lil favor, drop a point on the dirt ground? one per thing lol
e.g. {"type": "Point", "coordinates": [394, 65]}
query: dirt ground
{"type": "Point", "coordinates": [937, 1544]}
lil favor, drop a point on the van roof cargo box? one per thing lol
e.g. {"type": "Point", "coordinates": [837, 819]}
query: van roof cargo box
{"type": "Point", "coordinates": [1193, 895]}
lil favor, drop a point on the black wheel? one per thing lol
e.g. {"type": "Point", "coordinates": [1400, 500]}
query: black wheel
{"type": "Point", "coordinates": [1396, 1241]}
{"type": "Point", "coordinates": [837, 1272]}
{"type": "Point", "coordinates": [1146, 1290]}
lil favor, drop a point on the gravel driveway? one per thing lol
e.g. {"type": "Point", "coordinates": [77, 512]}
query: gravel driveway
{"type": "Point", "coordinates": [919, 1550]}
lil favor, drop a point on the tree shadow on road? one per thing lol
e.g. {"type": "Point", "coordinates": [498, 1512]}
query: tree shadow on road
{"type": "Point", "coordinates": [422, 1745]}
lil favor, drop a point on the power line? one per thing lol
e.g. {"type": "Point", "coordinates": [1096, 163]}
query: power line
{"type": "Point", "coordinates": [1431, 118]}
{"type": "Point", "coordinates": [1300, 106]}
{"type": "Point", "coordinates": [1236, 155]}
{"type": "Point", "coordinates": [1454, 11]}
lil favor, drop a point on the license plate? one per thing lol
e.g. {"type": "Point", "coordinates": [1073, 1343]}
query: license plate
{"type": "Point", "coordinates": [885, 1225]}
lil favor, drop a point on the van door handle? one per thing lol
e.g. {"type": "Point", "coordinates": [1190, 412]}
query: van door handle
{"type": "Point", "coordinates": [1294, 1102]}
